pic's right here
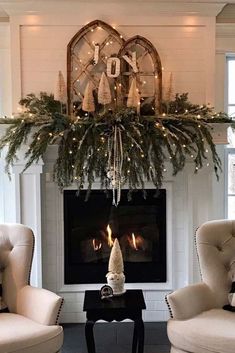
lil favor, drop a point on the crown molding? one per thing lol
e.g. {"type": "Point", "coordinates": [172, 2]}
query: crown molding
{"type": "Point", "coordinates": [175, 7]}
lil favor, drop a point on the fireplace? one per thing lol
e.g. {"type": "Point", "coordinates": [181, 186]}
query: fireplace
{"type": "Point", "coordinates": [90, 228]}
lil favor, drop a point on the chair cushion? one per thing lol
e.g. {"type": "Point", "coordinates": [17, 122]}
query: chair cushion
{"type": "Point", "coordinates": [21, 335]}
{"type": "Point", "coordinates": [211, 331]}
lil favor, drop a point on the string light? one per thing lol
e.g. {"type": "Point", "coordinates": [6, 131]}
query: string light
{"type": "Point", "coordinates": [70, 152]}
{"type": "Point", "coordinates": [50, 134]}
{"type": "Point", "coordinates": [74, 139]}
{"type": "Point", "coordinates": [163, 114]}
{"type": "Point", "coordinates": [38, 138]}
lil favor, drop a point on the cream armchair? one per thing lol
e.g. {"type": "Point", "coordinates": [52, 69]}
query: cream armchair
{"type": "Point", "coordinates": [31, 324]}
{"type": "Point", "coordinates": [198, 323]}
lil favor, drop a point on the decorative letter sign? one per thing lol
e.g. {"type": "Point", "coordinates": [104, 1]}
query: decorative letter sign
{"type": "Point", "coordinates": [113, 67]}
{"type": "Point", "coordinates": [132, 62]}
{"type": "Point", "coordinates": [98, 49]}
{"type": "Point", "coordinates": [96, 54]}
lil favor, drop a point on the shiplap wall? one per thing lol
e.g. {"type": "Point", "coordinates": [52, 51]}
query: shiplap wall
{"type": "Point", "coordinates": [182, 50]}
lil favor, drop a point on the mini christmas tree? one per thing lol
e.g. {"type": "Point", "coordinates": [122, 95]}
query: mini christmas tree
{"type": "Point", "coordinates": [88, 104]}
{"type": "Point", "coordinates": [60, 91]}
{"type": "Point", "coordinates": [133, 99]}
{"type": "Point", "coordinates": [104, 93]}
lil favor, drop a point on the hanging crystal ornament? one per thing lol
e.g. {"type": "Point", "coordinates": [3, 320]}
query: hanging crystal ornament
{"type": "Point", "coordinates": [115, 161]}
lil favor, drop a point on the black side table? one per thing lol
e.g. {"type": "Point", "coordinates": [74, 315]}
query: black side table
{"type": "Point", "coordinates": [126, 306]}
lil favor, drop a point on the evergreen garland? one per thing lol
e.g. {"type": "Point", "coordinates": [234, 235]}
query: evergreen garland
{"type": "Point", "coordinates": [85, 143]}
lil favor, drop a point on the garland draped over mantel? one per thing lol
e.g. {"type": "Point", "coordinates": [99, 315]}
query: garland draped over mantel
{"type": "Point", "coordinates": [118, 147]}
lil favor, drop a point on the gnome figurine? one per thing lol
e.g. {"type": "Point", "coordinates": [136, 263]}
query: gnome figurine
{"type": "Point", "coordinates": [115, 276]}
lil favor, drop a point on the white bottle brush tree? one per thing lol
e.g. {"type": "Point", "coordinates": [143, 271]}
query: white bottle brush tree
{"type": "Point", "coordinates": [104, 92]}
{"type": "Point", "coordinates": [88, 103]}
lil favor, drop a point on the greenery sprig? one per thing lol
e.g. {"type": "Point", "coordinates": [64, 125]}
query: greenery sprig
{"type": "Point", "coordinates": [183, 130]}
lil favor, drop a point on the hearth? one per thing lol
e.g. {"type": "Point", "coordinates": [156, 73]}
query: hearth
{"type": "Point", "coordinates": [91, 227]}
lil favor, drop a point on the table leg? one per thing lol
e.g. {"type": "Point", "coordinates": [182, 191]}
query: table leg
{"type": "Point", "coordinates": [90, 336]}
{"type": "Point", "coordinates": [140, 334]}
{"type": "Point", "coordinates": [135, 339]}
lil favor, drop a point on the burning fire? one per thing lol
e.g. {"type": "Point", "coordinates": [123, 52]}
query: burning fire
{"type": "Point", "coordinates": [96, 244]}
{"type": "Point", "coordinates": [134, 241]}
{"type": "Point", "coordinates": [110, 240]}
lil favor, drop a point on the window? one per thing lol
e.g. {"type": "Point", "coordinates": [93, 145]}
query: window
{"type": "Point", "coordinates": [230, 151]}
{"type": "Point", "coordinates": [231, 85]}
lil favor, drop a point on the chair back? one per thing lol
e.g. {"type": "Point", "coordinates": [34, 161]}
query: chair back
{"type": "Point", "coordinates": [16, 251]}
{"type": "Point", "coordinates": [215, 242]}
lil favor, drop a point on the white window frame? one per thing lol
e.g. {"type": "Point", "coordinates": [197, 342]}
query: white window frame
{"type": "Point", "coordinates": [229, 150]}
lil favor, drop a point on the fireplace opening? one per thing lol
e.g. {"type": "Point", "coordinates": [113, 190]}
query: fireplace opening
{"type": "Point", "coordinates": [91, 227]}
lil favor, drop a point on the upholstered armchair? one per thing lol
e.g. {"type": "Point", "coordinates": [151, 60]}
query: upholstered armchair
{"type": "Point", "coordinates": [30, 326]}
{"type": "Point", "coordinates": [198, 323]}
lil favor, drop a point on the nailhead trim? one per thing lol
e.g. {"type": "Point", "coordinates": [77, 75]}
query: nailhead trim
{"type": "Point", "coordinates": [59, 311]}
{"type": "Point", "coordinates": [168, 305]}
{"type": "Point", "coordinates": [196, 247]}
{"type": "Point", "coordinates": [31, 261]}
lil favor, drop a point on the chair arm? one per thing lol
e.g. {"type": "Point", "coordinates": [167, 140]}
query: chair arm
{"type": "Point", "coordinates": [190, 301]}
{"type": "Point", "coordinates": [39, 305]}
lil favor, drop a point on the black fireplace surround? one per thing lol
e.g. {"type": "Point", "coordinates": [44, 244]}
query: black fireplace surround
{"type": "Point", "coordinates": [91, 227]}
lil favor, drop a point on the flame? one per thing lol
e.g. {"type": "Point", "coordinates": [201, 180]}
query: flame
{"type": "Point", "coordinates": [110, 240]}
{"type": "Point", "coordinates": [96, 244]}
{"type": "Point", "coordinates": [134, 241]}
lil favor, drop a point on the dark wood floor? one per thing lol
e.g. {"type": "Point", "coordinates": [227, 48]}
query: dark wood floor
{"type": "Point", "coordinates": [115, 338]}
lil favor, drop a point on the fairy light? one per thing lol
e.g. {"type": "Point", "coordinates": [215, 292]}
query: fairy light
{"type": "Point", "coordinates": [156, 76]}
{"type": "Point", "coordinates": [128, 172]}
{"type": "Point", "coordinates": [199, 126]}
{"type": "Point", "coordinates": [196, 168]}
{"type": "Point", "coordinates": [186, 110]}
{"type": "Point", "coordinates": [30, 114]}
{"type": "Point", "coordinates": [163, 114]}
{"type": "Point", "coordinates": [198, 116]}
{"type": "Point", "coordinates": [38, 138]}
{"type": "Point", "coordinates": [184, 146]}
{"type": "Point", "coordinates": [142, 155]}
{"type": "Point", "coordinates": [206, 151]}
{"type": "Point", "coordinates": [76, 68]}
{"type": "Point", "coordinates": [128, 159]}
{"type": "Point", "coordinates": [207, 164]}
{"type": "Point", "coordinates": [50, 134]}
{"type": "Point", "coordinates": [75, 178]}
{"type": "Point", "coordinates": [70, 152]}
{"type": "Point", "coordinates": [164, 170]}
{"type": "Point", "coordinates": [121, 36]}
{"type": "Point", "coordinates": [72, 166]}
{"type": "Point", "coordinates": [74, 139]}
{"type": "Point", "coordinates": [92, 30]}
{"type": "Point", "coordinates": [192, 156]}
